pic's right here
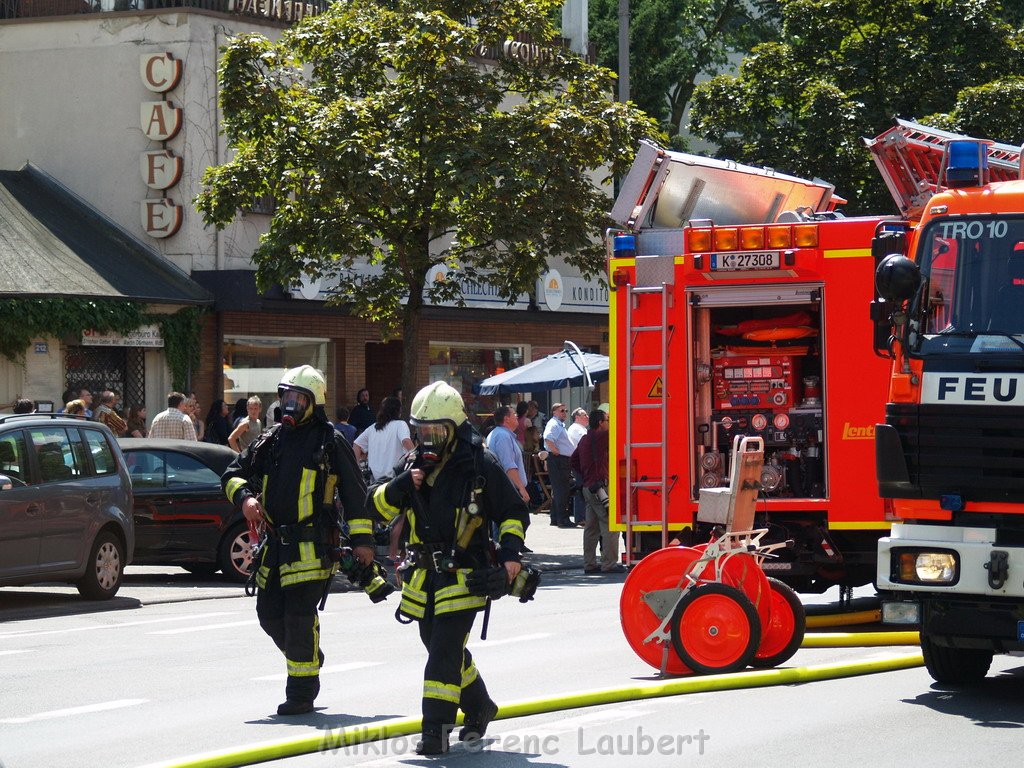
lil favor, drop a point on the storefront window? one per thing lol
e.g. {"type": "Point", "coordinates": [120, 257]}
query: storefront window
{"type": "Point", "coordinates": [463, 366]}
{"type": "Point", "coordinates": [253, 366]}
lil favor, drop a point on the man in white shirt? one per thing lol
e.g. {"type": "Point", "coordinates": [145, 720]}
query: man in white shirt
{"type": "Point", "coordinates": [173, 423]}
{"type": "Point", "coordinates": [576, 431]}
{"type": "Point", "coordinates": [560, 448]}
{"type": "Point", "coordinates": [578, 428]}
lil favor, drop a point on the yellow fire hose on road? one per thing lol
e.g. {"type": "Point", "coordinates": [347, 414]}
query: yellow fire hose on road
{"type": "Point", "coordinates": [843, 619]}
{"type": "Point", "coordinates": [399, 727]}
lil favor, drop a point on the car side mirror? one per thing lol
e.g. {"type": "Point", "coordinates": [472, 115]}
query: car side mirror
{"type": "Point", "coordinates": [6, 483]}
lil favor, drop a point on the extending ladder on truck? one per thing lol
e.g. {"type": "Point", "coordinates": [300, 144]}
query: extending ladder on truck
{"type": "Point", "coordinates": [909, 157]}
{"type": "Point", "coordinates": [654, 283]}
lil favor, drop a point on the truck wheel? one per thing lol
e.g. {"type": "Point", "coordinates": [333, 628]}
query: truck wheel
{"type": "Point", "coordinates": [104, 569]}
{"type": "Point", "coordinates": [785, 630]}
{"type": "Point", "coordinates": [715, 628]}
{"type": "Point", "coordinates": [956, 666]}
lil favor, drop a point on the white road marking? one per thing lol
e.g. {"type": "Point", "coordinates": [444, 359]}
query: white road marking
{"type": "Point", "coordinates": [8, 653]}
{"type": "Point", "coordinates": [71, 711]}
{"type": "Point", "coordinates": [37, 633]}
{"type": "Point", "coordinates": [508, 640]}
{"type": "Point", "coordinates": [329, 669]}
{"type": "Point", "coordinates": [204, 627]}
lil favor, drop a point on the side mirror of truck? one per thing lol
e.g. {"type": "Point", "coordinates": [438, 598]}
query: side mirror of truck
{"type": "Point", "coordinates": [897, 278]}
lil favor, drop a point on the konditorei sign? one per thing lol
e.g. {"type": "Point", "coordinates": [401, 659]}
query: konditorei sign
{"type": "Point", "coordinates": [161, 121]}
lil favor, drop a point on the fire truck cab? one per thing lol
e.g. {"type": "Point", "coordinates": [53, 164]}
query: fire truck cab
{"type": "Point", "coordinates": [738, 309]}
{"type": "Point", "coordinates": [951, 451]}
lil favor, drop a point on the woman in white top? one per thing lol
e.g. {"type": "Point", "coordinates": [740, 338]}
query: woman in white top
{"type": "Point", "coordinates": [386, 441]}
{"type": "Point", "coordinates": [382, 445]}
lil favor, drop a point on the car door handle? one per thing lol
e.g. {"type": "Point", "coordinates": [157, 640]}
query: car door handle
{"type": "Point", "coordinates": [32, 510]}
{"type": "Point", "coordinates": [92, 499]}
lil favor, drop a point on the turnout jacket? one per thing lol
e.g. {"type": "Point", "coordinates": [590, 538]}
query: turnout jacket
{"type": "Point", "coordinates": [299, 474]}
{"type": "Point", "coordinates": [438, 512]}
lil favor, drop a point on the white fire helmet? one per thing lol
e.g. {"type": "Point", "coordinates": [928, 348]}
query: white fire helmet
{"type": "Point", "coordinates": [300, 390]}
{"type": "Point", "coordinates": [437, 411]}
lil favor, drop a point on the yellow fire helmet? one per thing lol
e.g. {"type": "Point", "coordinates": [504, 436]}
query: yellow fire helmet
{"type": "Point", "coordinates": [306, 381]}
{"type": "Point", "coordinates": [437, 411]}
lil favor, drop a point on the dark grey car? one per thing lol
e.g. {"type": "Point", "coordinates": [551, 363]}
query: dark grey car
{"type": "Point", "coordinates": [65, 504]}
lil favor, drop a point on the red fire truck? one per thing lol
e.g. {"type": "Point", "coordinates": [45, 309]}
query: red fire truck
{"type": "Point", "coordinates": [738, 309]}
{"type": "Point", "coordinates": [950, 453]}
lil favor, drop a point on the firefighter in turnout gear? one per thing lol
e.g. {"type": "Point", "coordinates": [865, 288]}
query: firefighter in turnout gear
{"type": "Point", "coordinates": [451, 490]}
{"type": "Point", "coordinates": [288, 481]}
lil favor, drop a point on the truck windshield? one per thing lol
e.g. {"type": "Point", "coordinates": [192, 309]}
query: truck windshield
{"type": "Point", "coordinates": [973, 270]}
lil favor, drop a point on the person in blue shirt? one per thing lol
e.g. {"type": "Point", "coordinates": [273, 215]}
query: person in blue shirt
{"type": "Point", "coordinates": [503, 444]}
{"type": "Point", "coordinates": [342, 425]}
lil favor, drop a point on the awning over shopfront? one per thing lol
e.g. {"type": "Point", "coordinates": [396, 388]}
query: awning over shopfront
{"type": "Point", "coordinates": [52, 243]}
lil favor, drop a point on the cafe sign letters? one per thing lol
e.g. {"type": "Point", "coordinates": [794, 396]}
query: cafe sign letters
{"type": "Point", "coordinates": [161, 121]}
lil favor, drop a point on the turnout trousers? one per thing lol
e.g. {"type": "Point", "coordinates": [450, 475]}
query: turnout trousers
{"type": "Point", "coordinates": [289, 616]}
{"type": "Point", "coordinates": [450, 679]}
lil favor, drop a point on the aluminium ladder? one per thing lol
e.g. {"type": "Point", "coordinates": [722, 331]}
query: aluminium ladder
{"type": "Point", "coordinates": [634, 485]}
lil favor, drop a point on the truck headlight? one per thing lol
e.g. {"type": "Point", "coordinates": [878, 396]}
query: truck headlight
{"type": "Point", "coordinates": [917, 566]}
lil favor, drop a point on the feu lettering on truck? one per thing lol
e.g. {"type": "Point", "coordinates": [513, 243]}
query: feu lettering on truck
{"type": "Point", "coordinates": [972, 389]}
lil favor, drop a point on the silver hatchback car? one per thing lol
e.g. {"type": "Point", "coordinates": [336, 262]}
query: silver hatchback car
{"type": "Point", "coordinates": [65, 504]}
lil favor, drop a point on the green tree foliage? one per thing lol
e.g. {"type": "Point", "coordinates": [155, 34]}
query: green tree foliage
{"type": "Point", "coordinates": [386, 141]}
{"type": "Point", "coordinates": [674, 42]}
{"type": "Point", "coordinates": [845, 69]}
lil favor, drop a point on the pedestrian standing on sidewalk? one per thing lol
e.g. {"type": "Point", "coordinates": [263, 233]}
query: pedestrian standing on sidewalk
{"type": "Point", "coordinates": [361, 416]}
{"type": "Point", "coordinates": [576, 430]}
{"type": "Point", "coordinates": [559, 448]}
{"type": "Point", "coordinates": [593, 460]}
{"type": "Point", "coordinates": [248, 430]}
{"type": "Point", "coordinates": [173, 423]}
{"type": "Point", "coordinates": [382, 445]}
{"type": "Point", "coordinates": [503, 444]}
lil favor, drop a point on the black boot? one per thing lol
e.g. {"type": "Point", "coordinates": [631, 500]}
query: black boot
{"type": "Point", "coordinates": [432, 744]}
{"type": "Point", "coordinates": [476, 724]}
{"type": "Point", "coordinates": [295, 707]}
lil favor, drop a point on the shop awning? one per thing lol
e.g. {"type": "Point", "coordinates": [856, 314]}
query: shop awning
{"type": "Point", "coordinates": [52, 243]}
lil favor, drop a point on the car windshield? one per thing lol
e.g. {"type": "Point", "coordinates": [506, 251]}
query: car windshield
{"type": "Point", "coordinates": [973, 270]}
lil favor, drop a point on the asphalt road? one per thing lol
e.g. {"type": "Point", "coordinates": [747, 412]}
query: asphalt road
{"type": "Point", "coordinates": [158, 681]}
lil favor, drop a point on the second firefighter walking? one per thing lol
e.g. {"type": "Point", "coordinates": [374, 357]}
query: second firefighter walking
{"type": "Point", "coordinates": [289, 481]}
{"type": "Point", "coordinates": [452, 491]}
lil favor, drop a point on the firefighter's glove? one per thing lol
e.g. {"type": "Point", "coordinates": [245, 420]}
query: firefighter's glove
{"type": "Point", "coordinates": [370, 577]}
{"type": "Point", "coordinates": [488, 582]}
{"type": "Point", "coordinates": [374, 582]}
{"type": "Point", "coordinates": [525, 584]}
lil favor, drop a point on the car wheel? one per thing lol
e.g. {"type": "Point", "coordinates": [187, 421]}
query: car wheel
{"type": "Point", "coordinates": [235, 553]}
{"type": "Point", "coordinates": [104, 569]}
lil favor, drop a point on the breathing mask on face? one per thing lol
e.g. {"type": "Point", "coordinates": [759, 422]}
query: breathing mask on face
{"type": "Point", "coordinates": [433, 439]}
{"type": "Point", "coordinates": [295, 408]}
